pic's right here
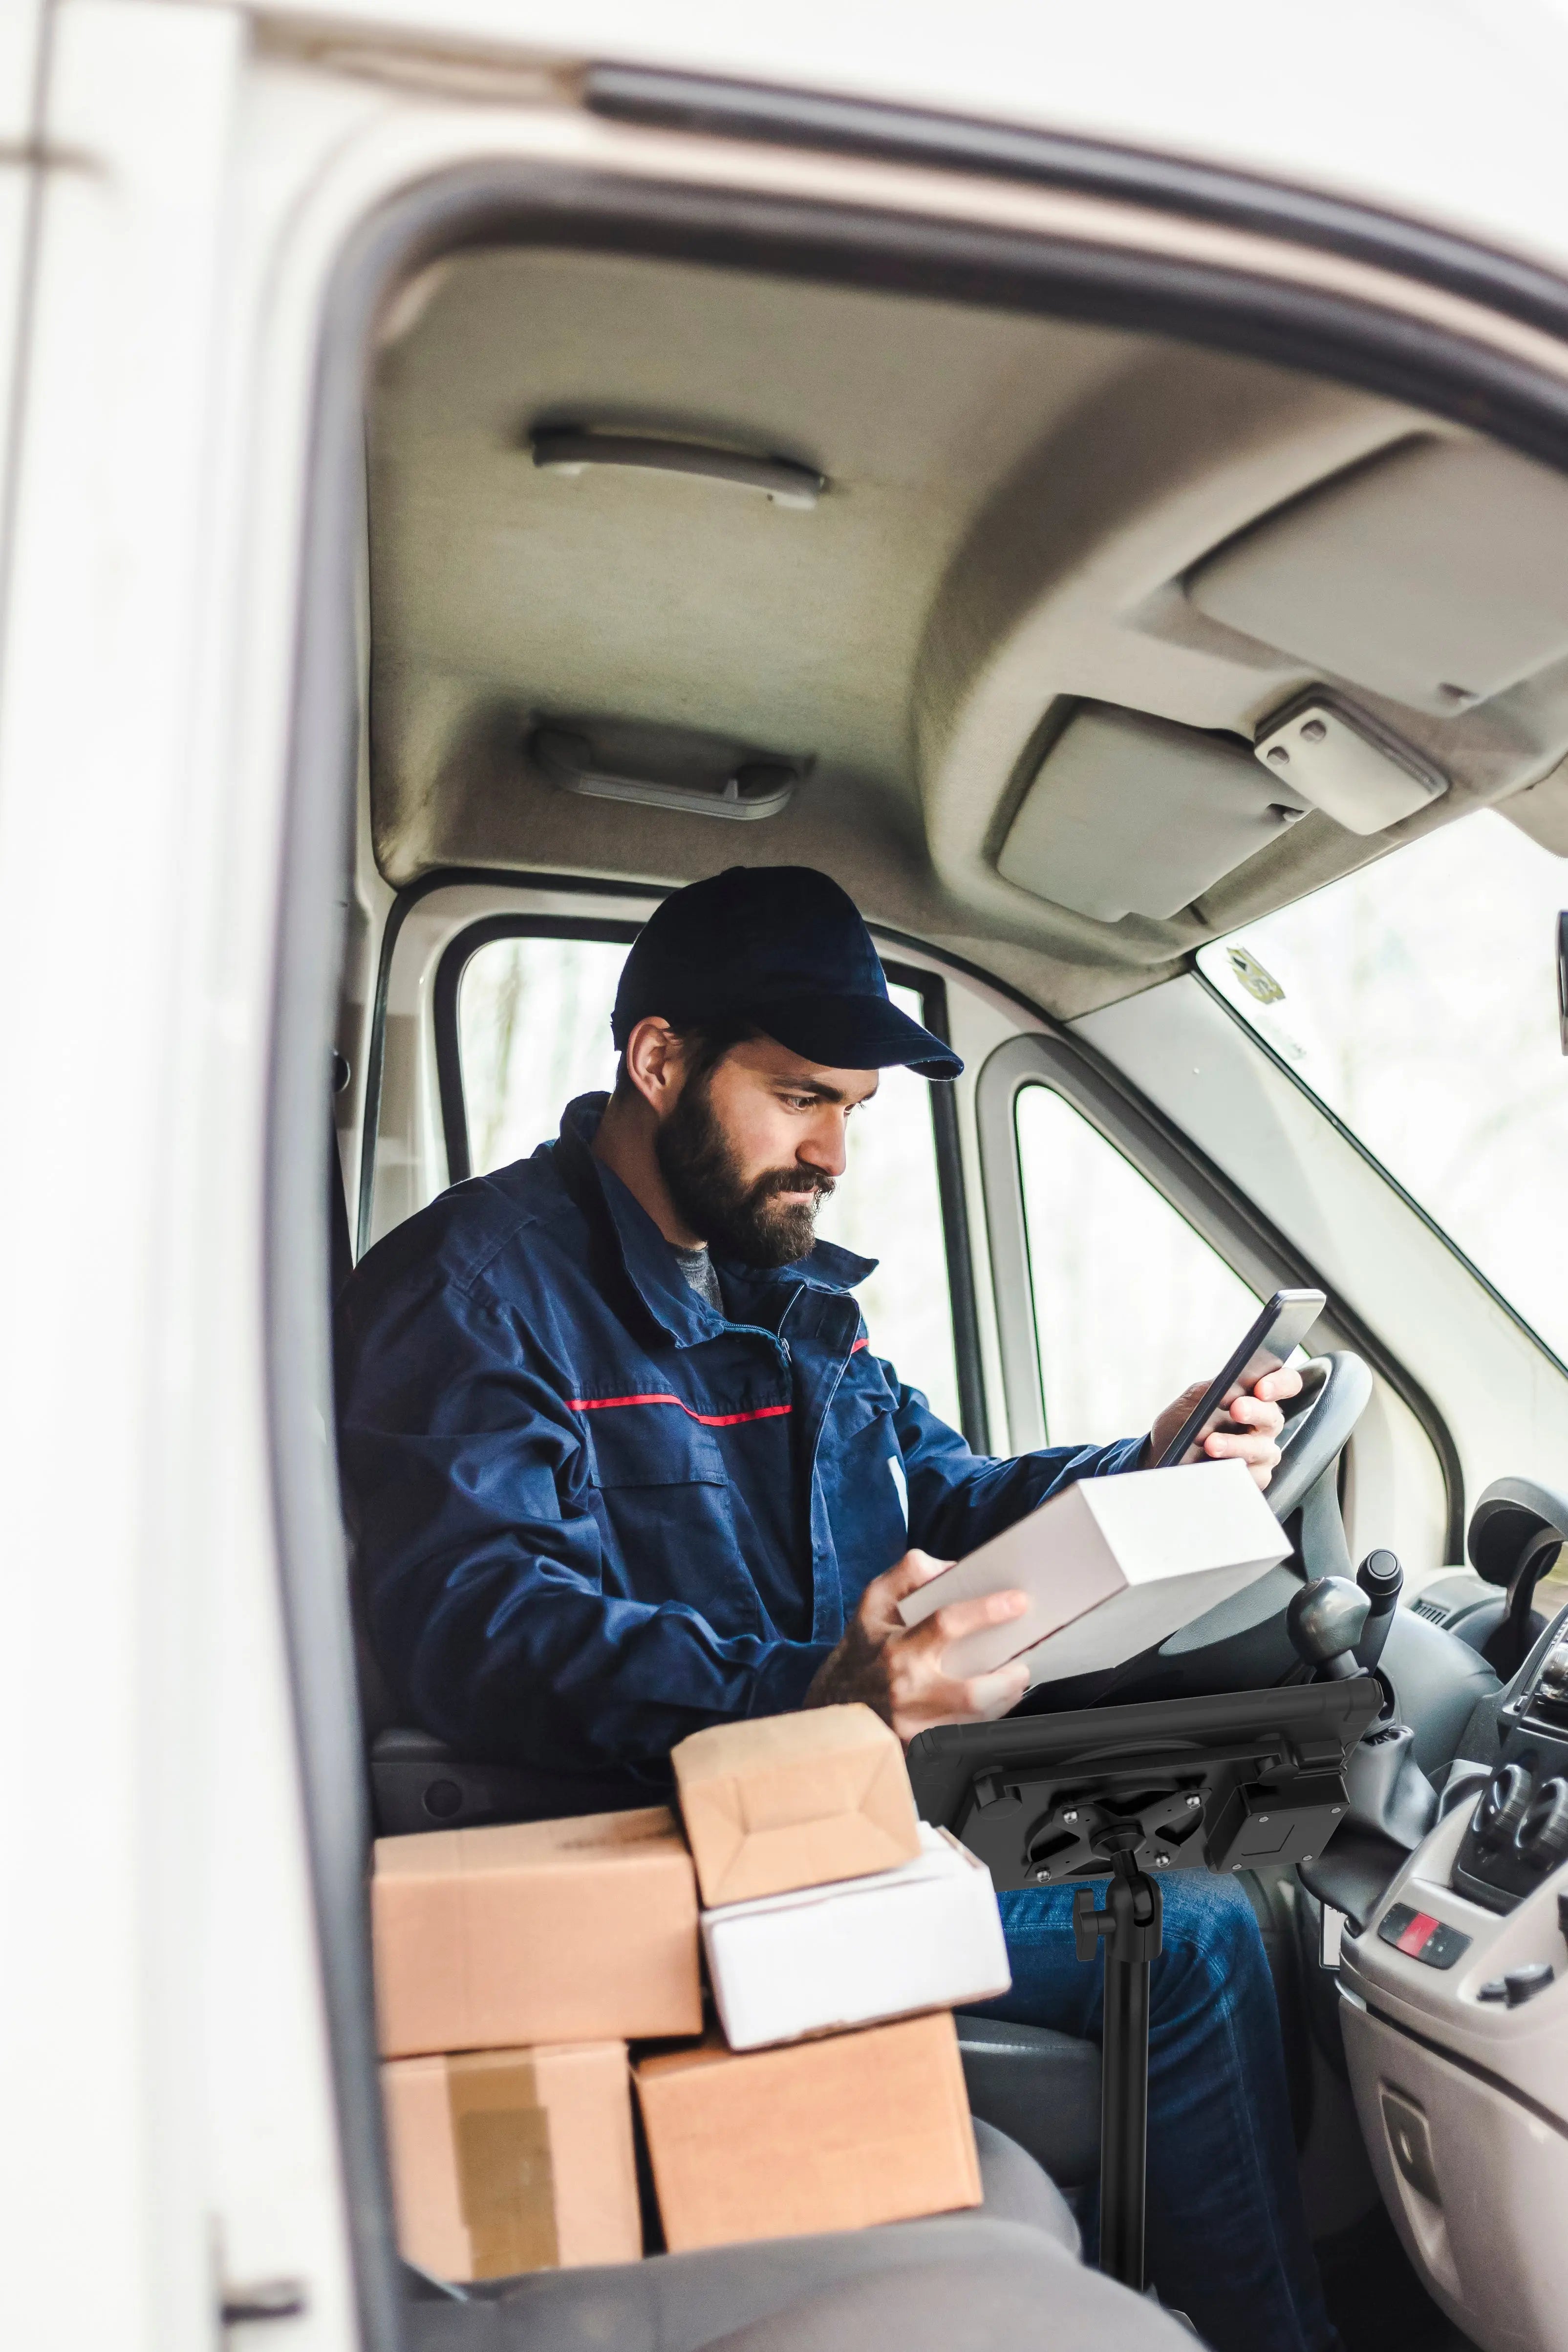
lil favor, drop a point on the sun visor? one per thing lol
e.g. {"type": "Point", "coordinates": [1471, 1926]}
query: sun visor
{"type": "Point", "coordinates": [1133, 815]}
{"type": "Point", "coordinates": [1437, 575]}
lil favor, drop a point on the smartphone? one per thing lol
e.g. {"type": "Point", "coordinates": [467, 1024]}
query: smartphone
{"type": "Point", "coordinates": [1282, 1326]}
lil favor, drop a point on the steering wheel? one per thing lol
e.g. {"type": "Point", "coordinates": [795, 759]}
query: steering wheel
{"type": "Point", "coordinates": [1335, 1391]}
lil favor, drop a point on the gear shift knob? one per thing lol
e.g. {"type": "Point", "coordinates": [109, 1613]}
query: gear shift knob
{"type": "Point", "coordinates": [1325, 1621]}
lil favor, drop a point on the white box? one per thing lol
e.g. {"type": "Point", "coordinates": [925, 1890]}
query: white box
{"type": "Point", "coordinates": [925, 1936]}
{"type": "Point", "coordinates": [1112, 1566]}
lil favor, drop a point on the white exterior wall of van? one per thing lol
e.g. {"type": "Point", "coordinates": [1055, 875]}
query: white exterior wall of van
{"type": "Point", "coordinates": [1442, 112]}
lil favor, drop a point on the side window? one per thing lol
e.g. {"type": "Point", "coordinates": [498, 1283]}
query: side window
{"type": "Point", "coordinates": [1130, 1304]}
{"type": "Point", "coordinates": [888, 1207]}
{"type": "Point", "coordinates": [533, 1031]}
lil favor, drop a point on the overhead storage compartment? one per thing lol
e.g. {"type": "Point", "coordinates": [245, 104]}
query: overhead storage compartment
{"type": "Point", "coordinates": [1435, 574]}
{"type": "Point", "coordinates": [1129, 814]}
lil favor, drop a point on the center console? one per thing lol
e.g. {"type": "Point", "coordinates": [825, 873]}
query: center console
{"type": "Point", "coordinates": [1454, 2000]}
{"type": "Point", "coordinates": [1518, 1835]}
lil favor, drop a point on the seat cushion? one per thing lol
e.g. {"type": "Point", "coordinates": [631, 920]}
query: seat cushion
{"type": "Point", "coordinates": [1042, 2088]}
{"type": "Point", "coordinates": [963, 2283]}
{"type": "Point", "coordinates": [1016, 2189]}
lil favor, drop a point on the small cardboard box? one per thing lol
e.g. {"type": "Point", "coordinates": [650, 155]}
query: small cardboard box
{"type": "Point", "coordinates": [790, 1801]}
{"type": "Point", "coordinates": [831, 2135]}
{"type": "Point", "coordinates": [502, 1938]}
{"type": "Point", "coordinates": [508, 2160]}
{"type": "Point", "coordinates": [1112, 1566]}
{"type": "Point", "coordinates": [925, 1936]}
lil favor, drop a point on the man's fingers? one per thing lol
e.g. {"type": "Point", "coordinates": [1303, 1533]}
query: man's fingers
{"type": "Point", "coordinates": [906, 1576]}
{"type": "Point", "coordinates": [1257, 1412]}
{"type": "Point", "coordinates": [987, 1695]}
{"type": "Point", "coordinates": [961, 1617]}
{"type": "Point", "coordinates": [979, 1699]}
{"type": "Point", "coordinates": [1247, 1445]}
{"type": "Point", "coordinates": [1260, 1454]}
{"type": "Point", "coordinates": [1273, 1386]}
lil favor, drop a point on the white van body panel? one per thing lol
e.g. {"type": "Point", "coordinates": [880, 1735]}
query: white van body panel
{"type": "Point", "coordinates": [1441, 110]}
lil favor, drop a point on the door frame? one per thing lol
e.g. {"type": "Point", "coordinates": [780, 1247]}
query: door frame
{"type": "Point", "coordinates": [1030, 225]}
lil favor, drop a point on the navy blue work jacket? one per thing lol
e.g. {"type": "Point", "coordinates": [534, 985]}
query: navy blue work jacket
{"type": "Point", "coordinates": [534, 1410]}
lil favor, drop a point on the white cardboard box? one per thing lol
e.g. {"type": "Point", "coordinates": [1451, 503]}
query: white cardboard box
{"type": "Point", "coordinates": [1112, 1566]}
{"type": "Point", "coordinates": [925, 1936]}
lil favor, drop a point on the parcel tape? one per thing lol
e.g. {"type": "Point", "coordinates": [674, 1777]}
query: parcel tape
{"type": "Point", "coordinates": [506, 2179]}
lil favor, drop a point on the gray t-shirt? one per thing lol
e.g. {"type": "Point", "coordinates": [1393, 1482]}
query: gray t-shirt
{"type": "Point", "coordinates": [697, 1268]}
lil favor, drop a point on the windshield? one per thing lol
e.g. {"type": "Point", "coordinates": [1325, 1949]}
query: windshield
{"type": "Point", "coordinates": [1417, 1000]}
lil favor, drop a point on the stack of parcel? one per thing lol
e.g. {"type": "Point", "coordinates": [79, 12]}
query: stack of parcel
{"type": "Point", "coordinates": [818, 2088]}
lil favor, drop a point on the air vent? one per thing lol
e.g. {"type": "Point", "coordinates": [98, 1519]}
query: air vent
{"type": "Point", "coordinates": [661, 768]}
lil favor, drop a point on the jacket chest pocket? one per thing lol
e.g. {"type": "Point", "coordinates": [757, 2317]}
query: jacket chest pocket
{"type": "Point", "coordinates": [663, 1489]}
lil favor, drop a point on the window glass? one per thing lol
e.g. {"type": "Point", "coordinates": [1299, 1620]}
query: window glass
{"type": "Point", "coordinates": [533, 1032]}
{"type": "Point", "coordinates": [887, 1207]}
{"type": "Point", "coordinates": [533, 1019]}
{"type": "Point", "coordinates": [1418, 1001]}
{"type": "Point", "coordinates": [1131, 1304]}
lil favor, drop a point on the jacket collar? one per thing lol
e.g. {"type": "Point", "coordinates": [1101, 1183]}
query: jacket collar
{"type": "Point", "coordinates": [646, 1257]}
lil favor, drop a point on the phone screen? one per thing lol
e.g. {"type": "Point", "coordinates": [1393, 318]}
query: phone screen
{"type": "Point", "coordinates": [1278, 1332]}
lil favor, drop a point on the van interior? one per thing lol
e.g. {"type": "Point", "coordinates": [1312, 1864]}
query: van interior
{"type": "Point", "coordinates": [1191, 727]}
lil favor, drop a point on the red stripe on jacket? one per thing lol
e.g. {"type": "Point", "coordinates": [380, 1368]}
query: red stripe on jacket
{"type": "Point", "coordinates": [708, 1420]}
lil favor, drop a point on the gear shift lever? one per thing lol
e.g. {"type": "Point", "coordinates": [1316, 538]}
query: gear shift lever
{"type": "Point", "coordinates": [1325, 1621]}
{"type": "Point", "coordinates": [1382, 1580]}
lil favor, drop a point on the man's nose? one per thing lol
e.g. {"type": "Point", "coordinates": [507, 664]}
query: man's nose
{"type": "Point", "coordinates": [824, 1148]}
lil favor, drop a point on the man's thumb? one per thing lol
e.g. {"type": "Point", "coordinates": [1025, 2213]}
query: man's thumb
{"type": "Point", "coordinates": [907, 1575]}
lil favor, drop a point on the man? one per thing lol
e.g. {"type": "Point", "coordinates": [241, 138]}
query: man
{"type": "Point", "coordinates": [620, 1462]}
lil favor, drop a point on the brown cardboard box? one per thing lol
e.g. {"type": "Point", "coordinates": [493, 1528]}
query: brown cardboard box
{"type": "Point", "coordinates": [830, 2135]}
{"type": "Point", "coordinates": [502, 1938]}
{"type": "Point", "coordinates": [793, 1800]}
{"type": "Point", "coordinates": [510, 2160]}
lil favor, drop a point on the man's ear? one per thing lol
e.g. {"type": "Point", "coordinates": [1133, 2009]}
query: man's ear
{"type": "Point", "coordinates": [654, 1065]}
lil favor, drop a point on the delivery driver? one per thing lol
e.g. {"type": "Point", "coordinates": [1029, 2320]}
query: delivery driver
{"type": "Point", "coordinates": [622, 1461]}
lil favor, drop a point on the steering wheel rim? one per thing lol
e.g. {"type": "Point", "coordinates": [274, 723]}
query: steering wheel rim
{"type": "Point", "coordinates": [1336, 1391]}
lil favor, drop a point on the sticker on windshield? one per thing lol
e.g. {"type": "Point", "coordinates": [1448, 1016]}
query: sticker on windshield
{"type": "Point", "coordinates": [1253, 978]}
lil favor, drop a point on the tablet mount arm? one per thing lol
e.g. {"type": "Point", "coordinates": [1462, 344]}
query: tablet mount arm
{"type": "Point", "coordinates": [1220, 1783]}
{"type": "Point", "coordinates": [1130, 1924]}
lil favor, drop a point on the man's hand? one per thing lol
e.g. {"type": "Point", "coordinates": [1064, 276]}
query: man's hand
{"type": "Point", "coordinates": [896, 1670]}
{"type": "Point", "coordinates": [1255, 1443]}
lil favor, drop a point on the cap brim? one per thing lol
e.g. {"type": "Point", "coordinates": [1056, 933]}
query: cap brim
{"type": "Point", "coordinates": [855, 1033]}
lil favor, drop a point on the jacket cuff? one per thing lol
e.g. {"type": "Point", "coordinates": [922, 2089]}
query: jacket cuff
{"type": "Point", "coordinates": [785, 1675]}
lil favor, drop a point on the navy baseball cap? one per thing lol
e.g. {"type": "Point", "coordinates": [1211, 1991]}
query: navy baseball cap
{"type": "Point", "coordinates": [784, 948]}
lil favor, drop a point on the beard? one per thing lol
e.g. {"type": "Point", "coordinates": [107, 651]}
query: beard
{"type": "Point", "coordinates": [742, 1217]}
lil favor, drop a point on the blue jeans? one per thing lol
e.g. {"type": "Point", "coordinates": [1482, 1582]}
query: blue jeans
{"type": "Point", "coordinates": [1226, 2237]}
